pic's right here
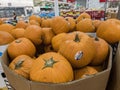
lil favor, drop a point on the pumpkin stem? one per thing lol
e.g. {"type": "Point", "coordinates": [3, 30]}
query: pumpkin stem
{"type": "Point", "coordinates": [49, 63]}
{"type": "Point", "coordinates": [77, 38]}
{"type": "Point", "coordinates": [19, 64]}
{"type": "Point", "coordinates": [96, 39]}
{"type": "Point", "coordinates": [83, 18]}
{"type": "Point", "coordinates": [18, 41]}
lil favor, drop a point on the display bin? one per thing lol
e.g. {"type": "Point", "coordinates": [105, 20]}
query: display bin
{"type": "Point", "coordinates": [93, 82]}
{"type": "Point", "coordinates": [114, 80]}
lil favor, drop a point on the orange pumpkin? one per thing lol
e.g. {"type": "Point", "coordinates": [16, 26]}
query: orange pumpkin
{"type": "Point", "coordinates": [48, 35]}
{"type": "Point", "coordinates": [33, 22]}
{"type": "Point", "coordinates": [79, 49]}
{"type": "Point", "coordinates": [5, 38]}
{"type": "Point", "coordinates": [21, 24]}
{"type": "Point", "coordinates": [46, 22]}
{"type": "Point", "coordinates": [85, 25]}
{"type": "Point", "coordinates": [21, 46]}
{"type": "Point", "coordinates": [109, 30]}
{"type": "Point", "coordinates": [22, 65]}
{"type": "Point", "coordinates": [51, 67]}
{"type": "Point", "coordinates": [84, 72]}
{"type": "Point", "coordinates": [6, 27]}
{"type": "Point", "coordinates": [59, 25]}
{"type": "Point", "coordinates": [36, 18]}
{"type": "Point", "coordinates": [98, 68]}
{"type": "Point", "coordinates": [72, 23]}
{"type": "Point", "coordinates": [1, 21]}
{"type": "Point", "coordinates": [18, 32]}
{"type": "Point", "coordinates": [34, 33]}
{"type": "Point", "coordinates": [57, 40]}
{"type": "Point", "coordinates": [102, 49]}
{"type": "Point", "coordinates": [97, 23]}
{"type": "Point", "coordinates": [82, 16]}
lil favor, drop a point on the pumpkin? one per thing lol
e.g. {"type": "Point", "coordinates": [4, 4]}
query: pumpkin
{"type": "Point", "coordinates": [109, 30]}
{"type": "Point", "coordinates": [85, 25]}
{"type": "Point", "coordinates": [33, 22]}
{"type": "Point", "coordinates": [51, 67]}
{"type": "Point", "coordinates": [36, 18]}
{"type": "Point", "coordinates": [46, 22]}
{"type": "Point", "coordinates": [21, 24]}
{"type": "Point", "coordinates": [102, 50]}
{"type": "Point", "coordinates": [34, 33]}
{"type": "Point", "coordinates": [48, 48]}
{"type": "Point", "coordinates": [72, 23]}
{"type": "Point", "coordinates": [59, 25]}
{"type": "Point", "coordinates": [84, 72]}
{"type": "Point", "coordinates": [6, 27]}
{"type": "Point", "coordinates": [22, 65]}
{"type": "Point", "coordinates": [18, 32]}
{"type": "Point", "coordinates": [97, 23]}
{"type": "Point", "coordinates": [57, 40]}
{"type": "Point", "coordinates": [5, 38]}
{"type": "Point", "coordinates": [98, 68]}
{"type": "Point", "coordinates": [1, 21]}
{"type": "Point", "coordinates": [79, 49]}
{"type": "Point", "coordinates": [82, 16]}
{"type": "Point", "coordinates": [48, 35]}
{"type": "Point", "coordinates": [21, 46]}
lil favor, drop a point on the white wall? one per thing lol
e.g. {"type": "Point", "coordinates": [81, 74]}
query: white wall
{"type": "Point", "coordinates": [16, 3]}
{"type": "Point", "coordinates": [94, 4]}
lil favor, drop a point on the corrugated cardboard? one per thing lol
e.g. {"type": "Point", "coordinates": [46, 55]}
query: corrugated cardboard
{"type": "Point", "coordinates": [94, 82]}
{"type": "Point", "coordinates": [114, 80]}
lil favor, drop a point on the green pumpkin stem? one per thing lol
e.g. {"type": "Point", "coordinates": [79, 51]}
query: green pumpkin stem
{"type": "Point", "coordinates": [49, 63]}
{"type": "Point", "coordinates": [18, 41]}
{"type": "Point", "coordinates": [19, 64]}
{"type": "Point", "coordinates": [77, 38]}
{"type": "Point", "coordinates": [96, 39]}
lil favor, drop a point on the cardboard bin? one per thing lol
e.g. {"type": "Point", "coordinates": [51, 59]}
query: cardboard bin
{"type": "Point", "coordinates": [114, 80]}
{"type": "Point", "coordinates": [93, 82]}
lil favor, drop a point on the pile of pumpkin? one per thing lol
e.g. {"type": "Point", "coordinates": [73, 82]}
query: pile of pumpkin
{"type": "Point", "coordinates": [58, 50]}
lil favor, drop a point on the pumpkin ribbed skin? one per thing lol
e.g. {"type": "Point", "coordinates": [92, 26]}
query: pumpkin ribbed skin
{"type": "Point", "coordinates": [6, 27]}
{"type": "Point", "coordinates": [109, 30]}
{"type": "Point", "coordinates": [22, 65]}
{"type": "Point", "coordinates": [51, 67]}
{"type": "Point", "coordinates": [102, 50]}
{"type": "Point", "coordinates": [5, 38]}
{"type": "Point", "coordinates": [36, 18]}
{"type": "Point", "coordinates": [85, 25]}
{"type": "Point", "coordinates": [83, 16]}
{"type": "Point", "coordinates": [46, 22]}
{"type": "Point", "coordinates": [79, 51]}
{"type": "Point", "coordinates": [21, 46]}
{"type": "Point", "coordinates": [34, 33]}
{"type": "Point", "coordinates": [84, 72]}
{"type": "Point", "coordinates": [33, 22]}
{"type": "Point", "coordinates": [59, 25]}
{"type": "Point", "coordinates": [72, 23]}
{"type": "Point", "coordinates": [18, 32]}
{"type": "Point", "coordinates": [21, 24]}
{"type": "Point", "coordinates": [48, 35]}
{"type": "Point", "coordinates": [57, 40]}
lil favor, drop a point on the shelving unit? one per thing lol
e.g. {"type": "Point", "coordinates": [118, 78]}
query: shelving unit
{"type": "Point", "coordinates": [112, 8]}
{"type": "Point", "coordinates": [49, 5]}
